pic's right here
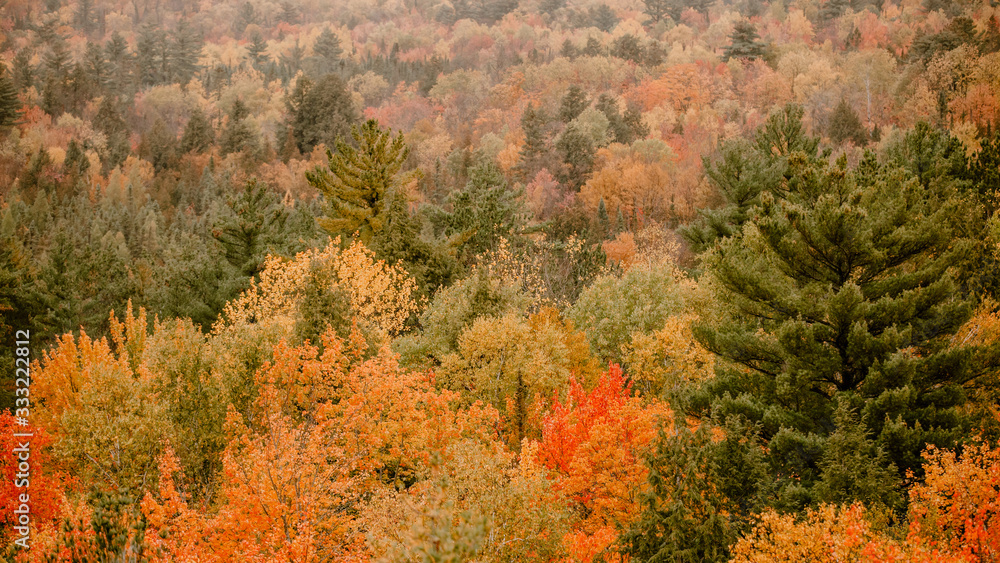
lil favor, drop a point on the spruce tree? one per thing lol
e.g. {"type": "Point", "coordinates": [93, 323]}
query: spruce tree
{"type": "Point", "coordinates": [573, 104]}
{"type": "Point", "coordinates": [535, 149]}
{"type": "Point", "coordinates": [841, 287]}
{"type": "Point", "coordinates": [321, 112]}
{"type": "Point", "coordinates": [10, 105]}
{"type": "Point", "coordinates": [198, 135]}
{"type": "Point", "coordinates": [578, 154]}
{"type": "Point", "coordinates": [239, 134]}
{"type": "Point", "coordinates": [357, 181]}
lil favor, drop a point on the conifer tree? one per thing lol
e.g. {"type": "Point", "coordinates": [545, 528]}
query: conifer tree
{"type": "Point", "coordinates": [846, 126]}
{"type": "Point", "coordinates": [321, 113]}
{"type": "Point", "coordinates": [239, 134]}
{"type": "Point", "coordinates": [578, 153]}
{"type": "Point", "coordinates": [745, 170]}
{"type": "Point", "coordinates": [185, 50]}
{"type": "Point", "coordinates": [535, 149]}
{"type": "Point", "coordinates": [745, 43]}
{"type": "Point", "coordinates": [656, 9]}
{"type": "Point", "coordinates": [842, 285]}
{"type": "Point", "coordinates": [253, 227]}
{"type": "Point", "coordinates": [487, 210]}
{"type": "Point", "coordinates": [257, 51]}
{"type": "Point", "coordinates": [573, 104]}
{"type": "Point", "coordinates": [357, 181]}
{"type": "Point", "coordinates": [10, 105]}
{"type": "Point", "coordinates": [198, 135]}
{"type": "Point", "coordinates": [109, 121]}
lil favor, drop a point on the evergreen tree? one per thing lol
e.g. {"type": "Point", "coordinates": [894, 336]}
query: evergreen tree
{"type": "Point", "coordinates": [842, 285]}
{"type": "Point", "coordinates": [357, 181]}
{"type": "Point", "coordinates": [22, 73]}
{"type": "Point", "coordinates": [657, 10]}
{"type": "Point", "coordinates": [109, 121]}
{"type": "Point", "coordinates": [96, 66]}
{"type": "Point", "coordinates": [84, 16]}
{"type": "Point", "coordinates": [321, 113]}
{"type": "Point", "coordinates": [159, 146]}
{"type": "Point", "coordinates": [10, 105]}
{"type": "Point", "coordinates": [185, 50]}
{"type": "Point", "coordinates": [486, 210]}
{"type": "Point", "coordinates": [239, 134]}
{"type": "Point", "coordinates": [119, 63]}
{"type": "Point", "coordinates": [627, 47]}
{"type": "Point", "coordinates": [702, 494]}
{"type": "Point", "coordinates": [289, 13]}
{"type": "Point", "coordinates": [603, 220]}
{"type": "Point", "coordinates": [535, 149]}
{"type": "Point", "coordinates": [431, 263]}
{"type": "Point", "coordinates": [253, 227]}
{"type": "Point", "coordinates": [568, 50]}
{"type": "Point", "coordinates": [578, 153]}
{"type": "Point", "coordinates": [603, 18]}
{"type": "Point", "coordinates": [745, 43]}
{"type": "Point", "coordinates": [745, 170]}
{"type": "Point", "coordinates": [152, 56]}
{"type": "Point", "coordinates": [198, 135]}
{"type": "Point", "coordinates": [328, 46]}
{"type": "Point", "coordinates": [257, 51]}
{"type": "Point", "coordinates": [846, 126]}
{"type": "Point", "coordinates": [573, 104]}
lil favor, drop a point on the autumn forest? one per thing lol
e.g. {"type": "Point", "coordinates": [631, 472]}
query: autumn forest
{"type": "Point", "coordinates": [499, 281]}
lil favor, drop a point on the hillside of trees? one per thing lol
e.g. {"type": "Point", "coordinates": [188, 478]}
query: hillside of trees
{"type": "Point", "coordinates": [501, 280]}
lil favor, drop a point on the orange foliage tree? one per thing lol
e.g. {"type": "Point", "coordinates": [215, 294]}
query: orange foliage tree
{"type": "Point", "coordinates": [595, 443]}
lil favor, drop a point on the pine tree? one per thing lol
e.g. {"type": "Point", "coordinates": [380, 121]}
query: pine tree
{"type": "Point", "coordinates": [357, 181]}
{"type": "Point", "coordinates": [593, 48]}
{"type": "Point", "coordinates": [657, 10]}
{"type": "Point", "coordinates": [289, 13]}
{"type": "Point", "coordinates": [22, 73]}
{"type": "Point", "coordinates": [846, 126]}
{"type": "Point", "coordinates": [745, 43]}
{"type": "Point", "coordinates": [198, 135]}
{"type": "Point", "coordinates": [702, 494]}
{"type": "Point", "coordinates": [10, 105]}
{"type": "Point", "coordinates": [257, 50]}
{"type": "Point", "coordinates": [842, 284]}
{"type": "Point", "coordinates": [573, 104]}
{"type": "Point", "coordinates": [185, 50]}
{"type": "Point", "coordinates": [328, 46]}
